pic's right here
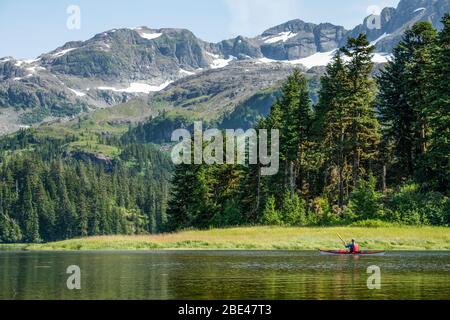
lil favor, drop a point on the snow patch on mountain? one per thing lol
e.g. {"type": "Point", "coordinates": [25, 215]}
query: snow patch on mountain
{"type": "Point", "coordinates": [322, 59]}
{"type": "Point", "coordinates": [138, 88]}
{"type": "Point", "coordinates": [283, 36]}
{"type": "Point", "coordinates": [77, 93]}
{"type": "Point", "coordinates": [215, 56]}
{"type": "Point", "coordinates": [19, 63]}
{"type": "Point", "coordinates": [384, 35]}
{"type": "Point", "coordinates": [315, 60]}
{"type": "Point", "coordinates": [33, 69]}
{"type": "Point", "coordinates": [63, 52]}
{"type": "Point", "coordinates": [419, 9]}
{"type": "Point", "coordinates": [150, 36]}
{"type": "Point", "coordinates": [221, 63]}
{"type": "Point", "coordinates": [189, 73]}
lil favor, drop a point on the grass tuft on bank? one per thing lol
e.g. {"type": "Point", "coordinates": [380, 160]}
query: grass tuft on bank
{"type": "Point", "coordinates": [261, 238]}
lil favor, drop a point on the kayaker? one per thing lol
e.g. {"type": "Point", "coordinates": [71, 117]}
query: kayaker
{"type": "Point", "coordinates": [353, 247]}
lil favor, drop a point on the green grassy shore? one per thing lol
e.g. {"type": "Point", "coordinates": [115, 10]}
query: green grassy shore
{"type": "Point", "coordinates": [261, 238]}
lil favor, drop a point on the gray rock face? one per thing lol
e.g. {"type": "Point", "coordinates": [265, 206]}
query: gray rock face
{"type": "Point", "coordinates": [409, 12]}
{"type": "Point", "coordinates": [394, 22]}
{"type": "Point", "coordinates": [240, 47]}
{"type": "Point", "coordinates": [25, 85]}
{"type": "Point", "coordinates": [328, 36]}
{"type": "Point", "coordinates": [140, 54]}
{"type": "Point", "coordinates": [297, 39]}
{"type": "Point", "coordinates": [368, 26]}
{"type": "Point", "coordinates": [303, 39]}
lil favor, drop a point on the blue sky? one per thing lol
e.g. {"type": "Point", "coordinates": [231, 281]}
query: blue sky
{"type": "Point", "coordinates": [29, 27]}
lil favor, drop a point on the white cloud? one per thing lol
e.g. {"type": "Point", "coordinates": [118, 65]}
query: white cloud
{"type": "Point", "coordinates": [251, 17]}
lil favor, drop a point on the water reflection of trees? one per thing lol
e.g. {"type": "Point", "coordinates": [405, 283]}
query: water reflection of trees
{"type": "Point", "coordinates": [184, 275]}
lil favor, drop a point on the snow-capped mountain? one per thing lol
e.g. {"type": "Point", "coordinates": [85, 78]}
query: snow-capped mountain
{"type": "Point", "coordinates": [119, 64]}
{"type": "Point", "coordinates": [394, 21]}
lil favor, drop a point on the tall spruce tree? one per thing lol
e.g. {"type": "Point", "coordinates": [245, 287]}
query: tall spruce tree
{"type": "Point", "coordinates": [295, 107]}
{"type": "Point", "coordinates": [188, 199]}
{"type": "Point", "coordinates": [438, 158]}
{"type": "Point", "coordinates": [396, 114]}
{"type": "Point", "coordinates": [45, 212]}
{"type": "Point", "coordinates": [419, 78]}
{"type": "Point", "coordinates": [334, 122]}
{"type": "Point", "coordinates": [30, 216]}
{"type": "Point", "coordinates": [404, 85]}
{"type": "Point", "coordinates": [364, 135]}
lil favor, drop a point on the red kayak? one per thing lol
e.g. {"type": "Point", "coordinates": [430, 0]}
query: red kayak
{"type": "Point", "coordinates": [359, 253]}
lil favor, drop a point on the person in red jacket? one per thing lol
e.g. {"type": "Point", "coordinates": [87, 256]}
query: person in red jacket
{"type": "Point", "coordinates": [353, 247]}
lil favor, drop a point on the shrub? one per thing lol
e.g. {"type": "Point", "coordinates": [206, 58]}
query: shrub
{"type": "Point", "coordinates": [365, 202]}
{"type": "Point", "coordinates": [9, 230]}
{"type": "Point", "coordinates": [323, 214]}
{"type": "Point", "coordinates": [373, 224]}
{"type": "Point", "coordinates": [231, 216]}
{"type": "Point", "coordinates": [271, 216]}
{"type": "Point", "coordinates": [410, 206]}
{"type": "Point", "coordinates": [293, 213]}
{"type": "Point", "coordinates": [317, 210]}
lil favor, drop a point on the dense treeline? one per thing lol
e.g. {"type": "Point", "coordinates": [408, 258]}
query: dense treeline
{"type": "Point", "coordinates": [47, 195]}
{"type": "Point", "coordinates": [370, 149]}
{"type": "Point", "coordinates": [157, 130]}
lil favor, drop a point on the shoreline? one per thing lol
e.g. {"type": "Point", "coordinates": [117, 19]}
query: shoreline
{"type": "Point", "coordinates": [258, 239]}
{"type": "Point", "coordinates": [189, 250]}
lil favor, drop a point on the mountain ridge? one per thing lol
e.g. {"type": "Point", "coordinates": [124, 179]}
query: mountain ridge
{"type": "Point", "coordinates": [120, 64]}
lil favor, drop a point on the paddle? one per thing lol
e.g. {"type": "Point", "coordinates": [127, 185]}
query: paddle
{"type": "Point", "coordinates": [342, 239]}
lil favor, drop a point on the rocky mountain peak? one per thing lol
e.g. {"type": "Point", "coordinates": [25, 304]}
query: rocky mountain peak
{"type": "Point", "coordinates": [394, 22]}
{"type": "Point", "coordinates": [293, 26]}
{"type": "Point", "coordinates": [297, 39]}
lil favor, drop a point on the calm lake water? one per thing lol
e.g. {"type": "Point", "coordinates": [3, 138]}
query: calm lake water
{"type": "Point", "coordinates": [223, 275]}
